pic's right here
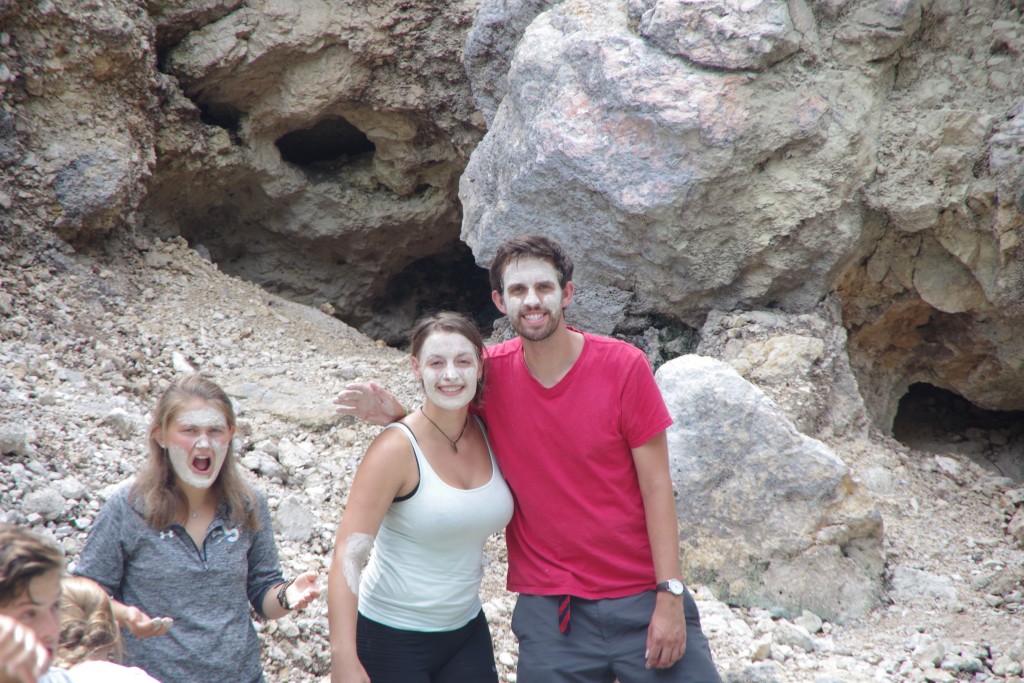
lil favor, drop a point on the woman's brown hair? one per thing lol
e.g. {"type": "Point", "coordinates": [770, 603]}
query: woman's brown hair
{"type": "Point", "coordinates": [161, 500]}
{"type": "Point", "coordinates": [88, 629]}
{"type": "Point", "coordinates": [24, 555]}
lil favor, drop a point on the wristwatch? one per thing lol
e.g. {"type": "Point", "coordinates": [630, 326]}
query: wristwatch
{"type": "Point", "coordinates": [673, 586]}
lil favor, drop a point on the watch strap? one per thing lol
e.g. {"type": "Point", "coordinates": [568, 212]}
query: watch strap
{"type": "Point", "coordinates": [666, 587]}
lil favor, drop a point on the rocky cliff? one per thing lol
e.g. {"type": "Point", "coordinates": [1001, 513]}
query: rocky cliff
{"type": "Point", "coordinates": [700, 156]}
{"type": "Point", "coordinates": [822, 199]}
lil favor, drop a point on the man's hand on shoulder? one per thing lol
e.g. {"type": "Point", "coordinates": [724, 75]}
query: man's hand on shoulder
{"type": "Point", "coordinates": [369, 401]}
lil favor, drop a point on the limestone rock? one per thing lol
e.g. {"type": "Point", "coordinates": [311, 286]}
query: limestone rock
{"type": "Point", "coordinates": [909, 582]}
{"type": "Point", "coordinates": [294, 520]}
{"type": "Point", "coordinates": [800, 361]}
{"type": "Point", "coordinates": [497, 28]}
{"type": "Point", "coordinates": [607, 143]}
{"type": "Point", "coordinates": [725, 35]}
{"type": "Point", "coordinates": [770, 518]}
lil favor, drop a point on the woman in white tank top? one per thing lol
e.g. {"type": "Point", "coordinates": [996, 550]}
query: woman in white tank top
{"type": "Point", "coordinates": [425, 498]}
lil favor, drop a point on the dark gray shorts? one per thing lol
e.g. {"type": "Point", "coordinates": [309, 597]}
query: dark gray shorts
{"type": "Point", "coordinates": [607, 641]}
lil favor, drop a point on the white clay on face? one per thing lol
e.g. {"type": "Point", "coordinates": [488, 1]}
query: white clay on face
{"type": "Point", "coordinates": [184, 449]}
{"type": "Point", "coordinates": [450, 370]}
{"type": "Point", "coordinates": [357, 552]}
{"type": "Point", "coordinates": [204, 417]}
{"type": "Point", "coordinates": [532, 294]}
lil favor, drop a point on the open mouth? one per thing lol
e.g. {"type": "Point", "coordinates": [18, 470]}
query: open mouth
{"type": "Point", "coordinates": [202, 463]}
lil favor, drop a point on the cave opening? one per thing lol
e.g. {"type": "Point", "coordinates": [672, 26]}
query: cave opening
{"type": "Point", "coordinates": [449, 279]}
{"type": "Point", "coordinates": [331, 141]}
{"type": "Point", "coordinates": [226, 116]}
{"type": "Point", "coordinates": [937, 420]}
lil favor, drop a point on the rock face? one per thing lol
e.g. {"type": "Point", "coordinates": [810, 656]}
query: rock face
{"type": "Point", "coordinates": [318, 144]}
{"type": "Point", "coordinates": [770, 517]}
{"type": "Point", "coordinates": [699, 156]}
{"type": "Point", "coordinates": [799, 361]}
{"type": "Point", "coordinates": [312, 147]}
{"type": "Point", "coordinates": [825, 195]}
{"type": "Point", "coordinates": [76, 126]}
{"type": "Point", "coordinates": [721, 155]}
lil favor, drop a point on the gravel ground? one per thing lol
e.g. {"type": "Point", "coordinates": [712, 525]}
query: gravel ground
{"type": "Point", "coordinates": [89, 340]}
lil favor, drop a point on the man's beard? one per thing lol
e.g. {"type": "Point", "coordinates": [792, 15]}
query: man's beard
{"type": "Point", "coordinates": [537, 335]}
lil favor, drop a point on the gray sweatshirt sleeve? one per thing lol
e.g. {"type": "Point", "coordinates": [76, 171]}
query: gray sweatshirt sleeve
{"type": "Point", "coordinates": [264, 564]}
{"type": "Point", "coordinates": [103, 557]}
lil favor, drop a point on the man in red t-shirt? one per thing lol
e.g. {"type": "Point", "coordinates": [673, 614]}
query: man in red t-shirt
{"type": "Point", "coordinates": [578, 427]}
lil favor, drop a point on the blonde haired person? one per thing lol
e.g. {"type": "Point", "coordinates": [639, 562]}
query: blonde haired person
{"type": "Point", "coordinates": [189, 547]}
{"type": "Point", "coordinates": [90, 639]}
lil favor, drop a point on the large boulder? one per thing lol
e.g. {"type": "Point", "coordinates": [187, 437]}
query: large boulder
{"type": "Point", "coordinates": [799, 361]}
{"type": "Point", "coordinates": [732, 156]}
{"type": "Point", "coordinates": [770, 517]}
{"type": "Point", "coordinates": [653, 167]}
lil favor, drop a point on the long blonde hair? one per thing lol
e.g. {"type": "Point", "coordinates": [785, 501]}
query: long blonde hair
{"type": "Point", "coordinates": [88, 629]}
{"type": "Point", "coordinates": [155, 488]}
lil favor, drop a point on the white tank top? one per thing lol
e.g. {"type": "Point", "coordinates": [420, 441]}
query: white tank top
{"type": "Point", "coordinates": [427, 563]}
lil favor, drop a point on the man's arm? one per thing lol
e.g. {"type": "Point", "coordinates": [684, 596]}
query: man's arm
{"type": "Point", "coordinates": [666, 636]}
{"type": "Point", "coordinates": [371, 402]}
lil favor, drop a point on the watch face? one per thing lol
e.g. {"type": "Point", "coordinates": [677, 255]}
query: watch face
{"type": "Point", "coordinates": [675, 586]}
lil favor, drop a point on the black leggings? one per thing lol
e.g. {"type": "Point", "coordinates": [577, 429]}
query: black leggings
{"type": "Point", "coordinates": [392, 655]}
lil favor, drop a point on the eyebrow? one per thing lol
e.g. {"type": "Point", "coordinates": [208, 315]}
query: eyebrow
{"type": "Point", "coordinates": [519, 281]}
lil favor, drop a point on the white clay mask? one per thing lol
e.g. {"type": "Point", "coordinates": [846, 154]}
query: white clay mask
{"type": "Point", "coordinates": [450, 370]}
{"type": "Point", "coordinates": [533, 297]}
{"type": "Point", "coordinates": [198, 445]}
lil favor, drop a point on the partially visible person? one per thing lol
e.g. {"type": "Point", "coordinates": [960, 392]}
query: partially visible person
{"type": "Point", "coordinates": [91, 647]}
{"type": "Point", "coordinates": [31, 569]}
{"type": "Point", "coordinates": [189, 546]}
{"type": "Point", "coordinates": [579, 428]}
{"type": "Point", "coordinates": [428, 493]}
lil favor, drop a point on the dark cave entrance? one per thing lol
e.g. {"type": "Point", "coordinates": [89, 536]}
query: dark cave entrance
{"type": "Point", "coordinates": [936, 420]}
{"type": "Point", "coordinates": [331, 142]}
{"type": "Point", "coordinates": [447, 280]}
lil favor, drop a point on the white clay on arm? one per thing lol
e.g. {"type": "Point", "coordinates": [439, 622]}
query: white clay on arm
{"type": "Point", "coordinates": [357, 553]}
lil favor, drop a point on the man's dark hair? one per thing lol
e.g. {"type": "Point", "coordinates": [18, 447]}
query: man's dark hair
{"type": "Point", "coordinates": [530, 246]}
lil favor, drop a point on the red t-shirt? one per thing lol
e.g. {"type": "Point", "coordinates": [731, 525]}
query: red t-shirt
{"type": "Point", "coordinates": [579, 526]}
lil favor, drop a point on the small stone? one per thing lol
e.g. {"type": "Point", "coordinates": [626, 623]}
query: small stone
{"type": "Point", "coordinates": [810, 621]}
{"type": "Point", "coordinates": [938, 676]}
